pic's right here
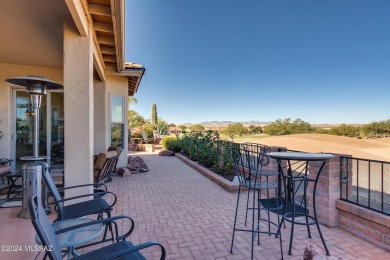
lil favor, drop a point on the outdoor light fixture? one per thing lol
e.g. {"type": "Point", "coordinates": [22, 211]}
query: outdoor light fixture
{"type": "Point", "coordinates": [36, 86]}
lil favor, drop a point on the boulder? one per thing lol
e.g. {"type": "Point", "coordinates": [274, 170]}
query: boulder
{"type": "Point", "coordinates": [136, 165]}
{"type": "Point", "coordinates": [122, 172]}
{"type": "Point", "coordinates": [313, 252]}
{"type": "Point", "coordinates": [166, 153]}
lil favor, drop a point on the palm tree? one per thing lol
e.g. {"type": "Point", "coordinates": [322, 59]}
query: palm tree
{"type": "Point", "coordinates": [132, 101]}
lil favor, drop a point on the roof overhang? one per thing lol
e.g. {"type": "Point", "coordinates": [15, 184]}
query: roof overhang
{"type": "Point", "coordinates": [134, 73]}
{"type": "Point", "coordinates": [36, 38]}
{"type": "Point", "coordinates": [108, 22]}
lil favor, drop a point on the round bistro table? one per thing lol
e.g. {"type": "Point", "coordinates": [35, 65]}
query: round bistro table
{"type": "Point", "coordinates": [294, 171]}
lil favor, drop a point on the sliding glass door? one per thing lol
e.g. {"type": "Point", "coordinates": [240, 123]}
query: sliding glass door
{"type": "Point", "coordinates": [51, 132]}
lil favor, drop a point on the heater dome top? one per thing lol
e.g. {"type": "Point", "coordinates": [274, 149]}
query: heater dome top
{"type": "Point", "coordinates": [29, 81]}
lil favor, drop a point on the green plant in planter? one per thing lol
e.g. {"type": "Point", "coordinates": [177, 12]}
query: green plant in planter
{"type": "Point", "coordinates": [172, 144]}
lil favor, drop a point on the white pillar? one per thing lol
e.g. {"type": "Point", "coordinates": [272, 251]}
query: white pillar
{"type": "Point", "coordinates": [78, 108]}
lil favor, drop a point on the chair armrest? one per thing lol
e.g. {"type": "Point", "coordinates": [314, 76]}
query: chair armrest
{"type": "Point", "coordinates": [140, 247]}
{"type": "Point", "coordinates": [100, 194]}
{"type": "Point", "coordinates": [4, 161]}
{"type": "Point", "coordinates": [104, 221]}
{"type": "Point", "coordinates": [96, 185]}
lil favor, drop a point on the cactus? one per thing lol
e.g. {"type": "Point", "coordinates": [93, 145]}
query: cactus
{"type": "Point", "coordinates": [154, 114]}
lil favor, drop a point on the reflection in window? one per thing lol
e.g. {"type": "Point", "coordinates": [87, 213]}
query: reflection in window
{"type": "Point", "coordinates": [117, 135]}
{"type": "Point", "coordinates": [117, 126]}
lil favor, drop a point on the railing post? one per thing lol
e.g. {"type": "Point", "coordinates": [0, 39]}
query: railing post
{"type": "Point", "coordinates": [328, 189]}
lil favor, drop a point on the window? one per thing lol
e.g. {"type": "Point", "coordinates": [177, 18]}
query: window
{"type": "Point", "coordinates": [117, 125]}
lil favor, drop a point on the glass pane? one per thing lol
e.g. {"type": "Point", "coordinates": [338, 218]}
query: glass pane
{"type": "Point", "coordinates": [57, 129]}
{"type": "Point", "coordinates": [117, 135]}
{"type": "Point", "coordinates": [25, 127]}
{"type": "Point", "coordinates": [117, 109]}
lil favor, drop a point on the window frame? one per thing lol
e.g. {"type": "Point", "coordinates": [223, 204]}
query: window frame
{"type": "Point", "coordinates": [112, 122]}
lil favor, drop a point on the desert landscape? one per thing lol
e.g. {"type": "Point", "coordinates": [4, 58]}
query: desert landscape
{"type": "Point", "coordinates": [374, 149]}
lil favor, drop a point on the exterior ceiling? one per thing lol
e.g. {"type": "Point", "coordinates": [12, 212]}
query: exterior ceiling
{"type": "Point", "coordinates": [32, 32]}
{"type": "Point", "coordinates": [101, 17]}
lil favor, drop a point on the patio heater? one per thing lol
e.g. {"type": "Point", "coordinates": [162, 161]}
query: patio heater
{"type": "Point", "coordinates": [32, 172]}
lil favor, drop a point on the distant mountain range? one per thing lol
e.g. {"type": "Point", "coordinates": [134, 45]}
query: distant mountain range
{"type": "Point", "coordinates": [219, 124]}
{"type": "Point", "coordinates": [225, 123]}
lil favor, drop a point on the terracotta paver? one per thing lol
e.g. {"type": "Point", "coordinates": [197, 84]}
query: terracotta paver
{"type": "Point", "coordinates": [193, 218]}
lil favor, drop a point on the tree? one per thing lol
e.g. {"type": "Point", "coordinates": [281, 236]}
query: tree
{"type": "Point", "coordinates": [196, 128]}
{"type": "Point", "coordinates": [162, 126]}
{"type": "Point", "coordinates": [345, 130]}
{"type": "Point", "coordinates": [134, 119]}
{"type": "Point", "coordinates": [381, 129]}
{"type": "Point", "coordinates": [154, 119]}
{"type": "Point", "coordinates": [255, 129]}
{"type": "Point", "coordinates": [183, 128]}
{"type": "Point", "coordinates": [234, 129]}
{"type": "Point", "coordinates": [132, 101]}
{"type": "Point", "coordinates": [286, 127]}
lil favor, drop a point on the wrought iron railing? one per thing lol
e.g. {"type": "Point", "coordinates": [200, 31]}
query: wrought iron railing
{"type": "Point", "coordinates": [365, 183]}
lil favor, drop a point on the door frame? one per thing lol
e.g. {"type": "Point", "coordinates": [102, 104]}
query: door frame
{"type": "Point", "coordinates": [13, 124]}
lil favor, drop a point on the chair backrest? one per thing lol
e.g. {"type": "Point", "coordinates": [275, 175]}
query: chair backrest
{"type": "Point", "coordinates": [143, 134]}
{"type": "Point", "coordinates": [240, 164]}
{"type": "Point", "coordinates": [118, 151]}
{"type": "Point", "coordinates": [103, 166]}
{"type": "Point", "coordinates": [256, 154]}
{"type": "Point", "coordinates": [156, 134]}
{"type": "Point", "coordinates": [56, 195]}
{"type": "Point", "coordinates": [5, 166]}
{"type": "Point", "coordinates": [44, 229]}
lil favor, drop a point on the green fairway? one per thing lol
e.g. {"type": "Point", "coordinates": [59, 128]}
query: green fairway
{"type": "Point", "coordinates": [244, 137]}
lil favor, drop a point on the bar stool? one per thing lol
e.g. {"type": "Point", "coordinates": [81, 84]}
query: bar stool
{"type": "Point", "coordinates": [257, 158]}
{"type": "Point", "coordinates": [249, 181]}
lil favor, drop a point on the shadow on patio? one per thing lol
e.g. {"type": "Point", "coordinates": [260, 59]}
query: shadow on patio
{"type": "Point", "coordinates": [192, 217]}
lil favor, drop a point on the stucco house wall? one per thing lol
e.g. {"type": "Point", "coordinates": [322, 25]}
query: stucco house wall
{"type": "Point", "coordinates": [13, 70]}
{"type": "Point", "coordinates": [117, 86]}
{"type": "Point", "coordinates": [100, 117]}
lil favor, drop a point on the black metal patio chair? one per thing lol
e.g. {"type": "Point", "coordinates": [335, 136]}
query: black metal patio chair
{"type": "Point", "coordinates": [97, 205]}
{"type": "Point", "coordinates": [122, 249]}
{"type": "Point", "coordinates": [250, 180]}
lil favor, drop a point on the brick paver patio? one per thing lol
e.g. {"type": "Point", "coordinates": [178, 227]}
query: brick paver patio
{"type": "Point", "coordinates": [193, 218]}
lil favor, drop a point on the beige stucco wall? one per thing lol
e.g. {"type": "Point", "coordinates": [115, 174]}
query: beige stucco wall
{"type": "Point", "coordinates": [101, 117]}
{"type": "Point", "coordinates": [78, 109]}
{"type": "Point", "coordinates": [87, 111]}
{"type": "Point", "coordinates": [117, 86]}
{"type": "Point", "coordinates": [13, 70]}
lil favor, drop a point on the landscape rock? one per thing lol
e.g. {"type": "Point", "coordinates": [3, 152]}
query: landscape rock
{"type": "Point", "coordinates": [166, 153]}
{"type": "Point", "coordinates": [313, 252]}
{"type": "Point", "coordinates": [136, 165]}
{"type": "Point", "coordinates": [122, 172]}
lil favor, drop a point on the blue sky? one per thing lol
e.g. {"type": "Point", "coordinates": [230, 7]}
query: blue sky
{"type": "Point", "coordinates": [214, 60]}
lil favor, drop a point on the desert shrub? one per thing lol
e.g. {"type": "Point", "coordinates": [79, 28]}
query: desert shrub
{"type": "Point", "coordinates": [196, 128]}
{"type": "Point", "coordinates": [377, 129]}
{"type": "Point", "coordinates": [286, 127]}
{"type": "Point", "coordinates": [208, 150]}
{"type": "Point", "coordinates": [255, 129]}
{"type": "Point", "coordinates": [345, 130]}
{"type": "Point", "coordinates": [322, 131]}
{"type": "Point", "coordinates": [171, 143]}
{"type": "Point", "coordinates": [148, 129]}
